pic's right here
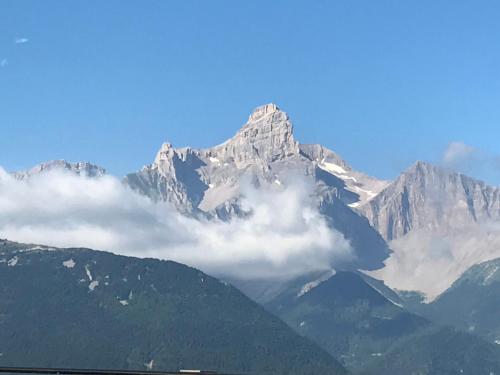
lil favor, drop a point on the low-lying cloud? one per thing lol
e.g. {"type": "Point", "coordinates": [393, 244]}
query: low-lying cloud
{"type": "Point", "coordinates": [285, 236]}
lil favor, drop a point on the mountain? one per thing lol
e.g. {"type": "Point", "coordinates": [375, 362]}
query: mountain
{"type": "Point", "coordinates": [80, 168]}
{"type": "Point", "coordinates": [432, 198]}
{"type": "Point", "coordinates": [356, 320]}
{"type": "Point", "coordinates": [210, 182]}
{"type": "Point", "coordinates": [262, 152]}
{"type": "Point", "coordinates": [438, 224]}
{"type": "Point", "coordinates": [472, 303]}
{"type": "Point", "coordinates": [91, 309]}
{"type": "Point", "coordinates": [347, 317]}
{"type": "Point", "coordinates": [439, 351]}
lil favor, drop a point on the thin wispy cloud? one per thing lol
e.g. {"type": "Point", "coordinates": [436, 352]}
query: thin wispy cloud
{"type": "Point", "coordinates": [472, 161]}
{"type": "Point", "coordinates": [458, 152]}
{"type": "Point", "coordinates": [21, 40]}
{"type": "Point", "coordinates": [4, 63]}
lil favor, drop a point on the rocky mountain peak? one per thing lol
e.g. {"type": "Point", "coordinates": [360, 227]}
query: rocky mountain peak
{"type": "Point", "coordinates": [266, 137]}
{"type": "Point", "coordinates": [270, 118]}
{"type": "Point", "coordinates": [262, 111]}
{"type": "Point", "coordinates": [429, 197]}
{"type": "Point", "coordinates": [423, 168]}
{"type": "Point", "coordinates": [81, 168]}
{"type": "Point", "coordinates": [165, 152]}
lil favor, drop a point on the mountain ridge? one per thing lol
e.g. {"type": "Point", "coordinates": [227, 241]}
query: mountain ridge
{"type": "Point", "coordinates": [427, 210]}
{"type": "Point", "coordinates": [84, 308]}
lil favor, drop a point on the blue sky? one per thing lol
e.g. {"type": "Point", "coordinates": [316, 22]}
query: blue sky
{"type": "Point", "coordinates": [383, 83]}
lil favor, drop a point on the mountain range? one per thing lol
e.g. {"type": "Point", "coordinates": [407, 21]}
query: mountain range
{"type": "Point", "coordinates": [264, 152]}
{"type": "Point", "coordinates": [401, 231]}
{"type": "Point", "coordinates": [426, 248]}
{"type": "Point", "coordinates": [78, 307]}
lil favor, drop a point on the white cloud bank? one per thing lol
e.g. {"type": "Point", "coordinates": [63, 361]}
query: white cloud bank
{"type": "Point", "coordinates": [284, 237]}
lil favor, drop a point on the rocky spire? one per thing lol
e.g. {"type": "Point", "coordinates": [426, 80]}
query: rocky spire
{"type": "Point", "coordinates": [267, 136]}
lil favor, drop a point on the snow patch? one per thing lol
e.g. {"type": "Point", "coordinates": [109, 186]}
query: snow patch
{"type": "Point", "coordinates": [331, 167]}
{"type": "Point", "coordinates": [69, 263]}
{"type": "Point", "coordinates": [13, 262]}
{"type": "Point", "coordinates": [369, 193]}
{"type": "Point", "coordinates": [94, 284]}
{"type": "Point", "coordinates": [87, 271]}
{"type": "Point", "coordinates": [124, 302]}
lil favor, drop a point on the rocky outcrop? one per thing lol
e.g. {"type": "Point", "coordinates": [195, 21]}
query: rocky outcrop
{"type": "Point", "coordinates": [80, 168]}
{"type": "Point", "coordinates": [427, 197]}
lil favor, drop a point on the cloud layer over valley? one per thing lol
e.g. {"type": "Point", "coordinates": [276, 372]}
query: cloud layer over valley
{"type": "Point", "coordinates": [285, 236]}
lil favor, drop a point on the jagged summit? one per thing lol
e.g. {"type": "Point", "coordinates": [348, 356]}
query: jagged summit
{"type": "Point", "coordinates": [211, 182]}
{"type": "Point", "coordinates": [265, 150]}
{"type": "Point", "coordinates": [267, 136]}
{"type": "Point", "coordinates": [81, 168]}
{"type": "Point", "coordinates": [431, 197]}
{"type": "Point", "coordinates": [423, 167]}
{"type": "Point", "coordinates": [262, 111]}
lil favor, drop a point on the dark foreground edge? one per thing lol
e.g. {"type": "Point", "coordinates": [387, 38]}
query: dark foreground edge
{"type": "Point", "coordinates": [66, 371]}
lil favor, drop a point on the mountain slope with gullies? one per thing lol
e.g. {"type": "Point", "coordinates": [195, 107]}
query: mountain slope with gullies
{"type": "Point", "coordinates": [438, 224]}
{"type": "Point", "coordinates": [348, 317]}
{"type": "Point", "coordinates": [472, 303]}
{"type": "Point", "coordinates": [362, 323]}
{"type": "Point", "coordinates": [91, 309]}
{"type": "Point", "coordinates": [428, 197]}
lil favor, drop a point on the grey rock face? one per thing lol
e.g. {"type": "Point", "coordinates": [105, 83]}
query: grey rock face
{"type": "Point", "coordinates": [263, 152]}
{"type": "Point", "coordinates": [438, 224]}
{"type": "Point", "coordinates": [266, 137]}
{"type": "Point", "coordinates": [80, 168]}
{"type": "Point", "coordinates": [431, 198]}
